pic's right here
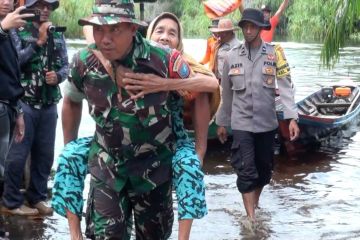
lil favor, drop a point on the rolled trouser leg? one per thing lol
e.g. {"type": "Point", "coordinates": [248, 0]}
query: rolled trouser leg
{"type": "Point", "coordinates": [243, 160]}
{"type": "Point", "coordinates": [264, 156]}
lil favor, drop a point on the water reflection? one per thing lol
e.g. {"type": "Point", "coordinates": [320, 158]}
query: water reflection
{"type": "Point", "coordinates": [313, 195]}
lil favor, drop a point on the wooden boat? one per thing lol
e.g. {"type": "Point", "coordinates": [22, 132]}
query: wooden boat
{"type": "Point", "coordinates": [322, 114]}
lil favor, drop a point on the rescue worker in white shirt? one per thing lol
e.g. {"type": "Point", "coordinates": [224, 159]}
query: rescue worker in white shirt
{"type": "Point", "coordinates": [248, 107]}
{"type": "Point", "coordinates": [225, 34]}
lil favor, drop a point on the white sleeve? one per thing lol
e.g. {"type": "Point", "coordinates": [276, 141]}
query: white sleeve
{"type": "Point", "coordinates": [72, 92]}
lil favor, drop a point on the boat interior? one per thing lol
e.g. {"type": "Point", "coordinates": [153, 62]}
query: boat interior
{"type": "Point", "coordinates": [330, 101]}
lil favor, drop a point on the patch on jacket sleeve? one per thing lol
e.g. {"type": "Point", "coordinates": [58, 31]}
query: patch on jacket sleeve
{"type": "Point", "coordinates": [179, 68]}
{"type": "Point", "coordinates": [282, 66]}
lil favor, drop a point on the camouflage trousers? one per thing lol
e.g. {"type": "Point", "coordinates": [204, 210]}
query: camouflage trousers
{"type": "Point", "coordinates": [110, 214]}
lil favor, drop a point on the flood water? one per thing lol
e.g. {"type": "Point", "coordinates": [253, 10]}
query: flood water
{"type": "Point", "coordinates": [313, 195]}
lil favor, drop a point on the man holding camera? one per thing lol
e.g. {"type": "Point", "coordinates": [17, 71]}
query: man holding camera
{"type": "Point", "coordinates": [44, 65]}
{"type": "Point", "coordinates": [11, 118]}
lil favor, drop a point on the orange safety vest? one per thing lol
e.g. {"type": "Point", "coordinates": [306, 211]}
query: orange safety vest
{"type": "Point", "coordinates": [212, 47]}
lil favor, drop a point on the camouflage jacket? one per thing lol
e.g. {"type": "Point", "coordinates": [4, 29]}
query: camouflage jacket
{"type": "Point", "coordinates": [133, 140]}
{"type": "Point", "coordinates": [34, 63]}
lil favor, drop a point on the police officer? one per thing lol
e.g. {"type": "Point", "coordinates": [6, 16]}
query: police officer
{"type": "Point", "coordinates": [248, 106]}
{"type": "Point", "coordinates": [40, 78]}
{"type": "Point", "coordinates": [224, 32]}
{"type": "Point", "coordinates": [268, 34]}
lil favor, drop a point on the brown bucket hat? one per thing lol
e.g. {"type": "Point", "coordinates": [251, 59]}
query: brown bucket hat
{"type": "Point", "coordinates": [224, 25]}
{"type": "Point", "coordinates": [107, 12]}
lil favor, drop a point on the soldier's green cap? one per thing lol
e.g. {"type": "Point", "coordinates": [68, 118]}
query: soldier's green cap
{"type": "Point", "coordinates": [106, 12]}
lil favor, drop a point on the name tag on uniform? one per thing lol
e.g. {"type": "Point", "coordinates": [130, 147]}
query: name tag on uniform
{"type": "Point", "coordinates": [236, 71]}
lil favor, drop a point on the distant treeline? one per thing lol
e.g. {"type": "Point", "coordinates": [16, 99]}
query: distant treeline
{"type": "Point", "coordinates": [304, 20]}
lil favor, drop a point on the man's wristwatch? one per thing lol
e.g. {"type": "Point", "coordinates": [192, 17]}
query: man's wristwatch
{"type": "Point", "coordinates": [19, 110]}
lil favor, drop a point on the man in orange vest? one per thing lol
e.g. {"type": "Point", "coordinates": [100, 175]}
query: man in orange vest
{"type": "Point", "coordinates": [267, 35]}
{"type": "Point", "coordinates": [212, 45]}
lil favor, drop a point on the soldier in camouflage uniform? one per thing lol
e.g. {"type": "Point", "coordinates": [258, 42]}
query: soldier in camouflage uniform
{"type": "Point", "coordinates": [42, 93]}
{"type": "Point", "coordinates": [130, 156]}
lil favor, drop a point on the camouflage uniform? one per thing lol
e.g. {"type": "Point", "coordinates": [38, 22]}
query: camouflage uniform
{"type": "Point", "coordinates": [33, 60]}
{"type": "Point", "coordinates": [130, 157]}
{"type": "Point", "coordinates": [40, 116]}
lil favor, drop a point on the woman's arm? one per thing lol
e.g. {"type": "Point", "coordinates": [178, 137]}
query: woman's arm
{"type": "Point", "coordinates": [149, 83]}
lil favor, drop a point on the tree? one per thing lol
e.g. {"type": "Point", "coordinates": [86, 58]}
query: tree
{"type": "Point", "coordinates": [345, 16]}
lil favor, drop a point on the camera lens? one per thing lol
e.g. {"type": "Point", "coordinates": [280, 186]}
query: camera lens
{"type": "Point", "coordinates": [51, 28]}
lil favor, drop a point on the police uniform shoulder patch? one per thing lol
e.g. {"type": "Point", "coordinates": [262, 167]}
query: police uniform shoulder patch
{"type": "Point", "coordinates": [280, 52]}
{"type": "Point", "coordinates": [282, 66]}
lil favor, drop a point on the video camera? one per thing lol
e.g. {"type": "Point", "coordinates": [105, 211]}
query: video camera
{"type": "Point", "coordinates": [52, 29]}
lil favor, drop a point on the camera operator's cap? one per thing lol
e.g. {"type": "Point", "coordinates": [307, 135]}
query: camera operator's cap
{"type": "Point", "coordinates": [256, 17]}
{"type": "Point", "coordinates": [224, 25]}
{"type": "Point", "coordinates": [107, 12]}
{"type": "Point", "coordinates": [265, 8]}
{"type": "Point", "coordinates": [53, 3]}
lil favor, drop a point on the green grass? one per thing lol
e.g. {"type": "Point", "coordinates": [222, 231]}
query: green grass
{"type": "Point", "coordinates": [69, 13]}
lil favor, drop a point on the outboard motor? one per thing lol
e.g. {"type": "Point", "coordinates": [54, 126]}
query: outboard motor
{"type": "Point", "coordinates": [327, 94]}
{"type": "Point", "coordinates": [342, 95]}
{"type": "Point", "coordinates": [335, 95]}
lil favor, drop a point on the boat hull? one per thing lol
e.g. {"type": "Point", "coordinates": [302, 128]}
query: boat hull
{"type": "Point", "coordinates": [319, 118]}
